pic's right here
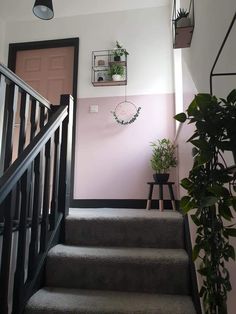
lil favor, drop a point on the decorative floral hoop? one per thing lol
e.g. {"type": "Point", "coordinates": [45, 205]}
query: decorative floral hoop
{"type": "Point", "coordinates": [122, 116]}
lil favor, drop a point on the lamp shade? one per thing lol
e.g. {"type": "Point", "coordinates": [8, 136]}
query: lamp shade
{"type": "Point", "coordinates": [43, 9]}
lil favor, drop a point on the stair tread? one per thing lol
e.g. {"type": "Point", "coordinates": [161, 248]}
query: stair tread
{"type": "Point", "coordinates": [72, 301]}
{"type": "Point", "coordinates": [122, 254]}
{"type": "Point", "coordinates": [122, 213]}
{"type": "Point", "coordinates": [125, 228]}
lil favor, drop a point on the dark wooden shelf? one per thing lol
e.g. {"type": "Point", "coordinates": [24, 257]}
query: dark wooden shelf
{"type": "Point", "coordinates": [109, 83]}
{"type": "Point", "coordinates": [183, 36]}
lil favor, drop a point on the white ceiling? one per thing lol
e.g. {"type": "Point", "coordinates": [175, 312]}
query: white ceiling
{"type": "Point", "coordinates": [11, 10]}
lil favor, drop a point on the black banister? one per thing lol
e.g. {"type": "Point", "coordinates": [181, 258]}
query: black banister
{"type": "Point", "coordinates": [13, 174]}
{"type": "Point", "coordinates": [34, 185]}
{"type": "Point", "coordinates": [23, 85]}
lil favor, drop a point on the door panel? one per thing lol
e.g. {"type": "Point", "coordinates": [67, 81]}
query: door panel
{"type": "Point", "coordinates": [49, 71]}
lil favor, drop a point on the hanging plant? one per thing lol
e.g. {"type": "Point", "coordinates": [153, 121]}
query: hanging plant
{"type": "Point", "coordinates": [210, 194]}
{"type": "Point", "coordinates": [126, 112]}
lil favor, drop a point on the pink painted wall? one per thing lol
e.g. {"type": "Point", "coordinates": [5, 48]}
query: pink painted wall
{"type": "Point", "coordinates": [113, 161]}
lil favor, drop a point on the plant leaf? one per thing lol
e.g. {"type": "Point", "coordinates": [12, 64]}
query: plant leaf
{"type": "Point", "coordinates": [195, 252]}
{"type": "Point", "coordinates": [208, 201]}
{"type": "Point", "coordinates": [232, 96]}
{"type": "Point", "coordinates": [186, 183]}
{"type": "Point", "coordinates": [195, 220]}
{"type": "Point", "coordinates": [181, 117]}
{"type": "Point", "coordinates": [231, 232]}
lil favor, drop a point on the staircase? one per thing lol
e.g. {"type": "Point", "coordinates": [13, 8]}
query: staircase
{"type": "Point", "coordinates": [117, 261]}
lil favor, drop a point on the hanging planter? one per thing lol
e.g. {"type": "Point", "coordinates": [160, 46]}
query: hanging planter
{"type": "Point", "coordinates": [183, 25]}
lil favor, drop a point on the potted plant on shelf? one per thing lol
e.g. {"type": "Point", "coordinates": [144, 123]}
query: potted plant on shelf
{"type": "Point", "coordinates": [209, 187]}
{"type": "Point", "coordinates": [182, 19]}
{"type": "Point", "coordinates": [163, 158]}
{"type": "Point", "coordinates": [116, 72]}
{"type": "Point", "coordinates": [119, 51]}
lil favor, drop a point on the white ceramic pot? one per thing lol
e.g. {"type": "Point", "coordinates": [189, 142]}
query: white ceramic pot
{"type": "Point", "coordinates": [116, 77]}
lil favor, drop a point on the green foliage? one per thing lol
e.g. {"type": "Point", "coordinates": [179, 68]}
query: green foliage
{"type": "Point", "coordinates": [116, 69]}
{"type": "Point", "coordinates": [209, 193]}
{"type": "Point", "coordinates": [181, 13]}
{"type": "Point", "coordinates": [119, 51]}
{"type": "Point", "coordinates": [163, 155]}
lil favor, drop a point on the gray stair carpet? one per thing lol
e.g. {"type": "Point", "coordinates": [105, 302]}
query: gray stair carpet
{"type": "Point", "coordinates": [60, 300]}
{"type": "Point", "coordinates": [117, 261]}
{"type": "Point", "coordinates": [125, 227]}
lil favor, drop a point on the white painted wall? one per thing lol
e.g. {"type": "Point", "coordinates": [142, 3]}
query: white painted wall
{"type": "Point", "coordinates": [2, 40]}
{"type": "Point", "coordinates": [212, 19]}
{"type": "Point", "coordinates": [145, 33]}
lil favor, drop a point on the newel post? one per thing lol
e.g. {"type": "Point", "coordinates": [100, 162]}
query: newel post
{"type": "Point", "coordinates": [66, 157]}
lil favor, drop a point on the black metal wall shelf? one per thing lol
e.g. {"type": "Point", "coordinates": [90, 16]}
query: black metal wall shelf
{"type": "Point", "coordinates": [102, 62]}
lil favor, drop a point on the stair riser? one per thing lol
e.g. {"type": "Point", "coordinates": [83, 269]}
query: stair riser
{"type": "Point", "coordinates": [136, 233]}
{"type": "Point", "coordinates": [161, 278]}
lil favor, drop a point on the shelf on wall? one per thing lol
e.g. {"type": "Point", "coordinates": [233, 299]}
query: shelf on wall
{"type": "Point", "coordinates": [102, 62]}
{"type": "Point", "coordinates": [109, 83]}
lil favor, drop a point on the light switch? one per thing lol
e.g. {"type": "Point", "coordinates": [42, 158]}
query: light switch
{"type": "Point", "coordinates": [93, 108]}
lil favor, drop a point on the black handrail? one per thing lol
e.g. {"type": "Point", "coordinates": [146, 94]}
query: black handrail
{"type": "Point", "coordinates": [17, 169]}
{"type": "Point", "coordinates": [218, 55]}
{"type": "Point", "coordinates": [23, 85]}
{"type": "Point", "coordinates": [34, 195]}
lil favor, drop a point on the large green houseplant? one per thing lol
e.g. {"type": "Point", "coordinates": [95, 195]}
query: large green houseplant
{"type": "Point", "coordinates": [163, 158]}
{"type": "Point", "coordinates": [209, 188]}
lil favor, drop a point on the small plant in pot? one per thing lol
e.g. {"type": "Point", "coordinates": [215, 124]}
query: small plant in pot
{"type": "Point", "coordinates": [116, 72]}
{"type": "Point", "coordinates": [182, 19]}
{"type": "Point", "coordinates": [163, 158]}
{"type": "Point", "coordinates": [119, 51]}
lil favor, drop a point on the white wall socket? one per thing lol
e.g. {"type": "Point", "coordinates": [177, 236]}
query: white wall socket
{"type": "Point", "coordinates": [93, 108]}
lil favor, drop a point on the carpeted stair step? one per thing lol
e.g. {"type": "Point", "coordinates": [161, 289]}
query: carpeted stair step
{"type": "Point", "coordinates": [69, 301]}
{"type": "Point", "coordinates": [124, 269]}
{"type": "Point", "coordinates": [125, 227]}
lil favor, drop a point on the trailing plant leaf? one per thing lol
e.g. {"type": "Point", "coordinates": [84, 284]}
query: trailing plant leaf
{"type": "Point", "coordinates": [181, 117]}
{"type": "Point", "coordinates": [208, 201]}
{"type": "Point", "coordinates": [195, 220]}
{"type": "Point", "coordinates": [195, 252]}
{"type": "Point", "coordinates": [230, 232]}
{"type": "Point", "coordinates": [232, 96]}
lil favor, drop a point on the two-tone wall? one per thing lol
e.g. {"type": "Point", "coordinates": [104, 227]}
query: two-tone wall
{"type": "Point", "coordinates": [112, 161]}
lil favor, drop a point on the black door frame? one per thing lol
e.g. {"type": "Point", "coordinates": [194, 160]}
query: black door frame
{"type": "Point", "coordinates": [56, 43]}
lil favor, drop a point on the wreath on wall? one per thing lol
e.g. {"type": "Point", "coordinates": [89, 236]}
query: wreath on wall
{"type": "Point", "coordinates": [126, 112]}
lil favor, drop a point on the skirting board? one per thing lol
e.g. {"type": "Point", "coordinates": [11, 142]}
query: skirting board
{"type": "Point", "coordinates": [112, 203]}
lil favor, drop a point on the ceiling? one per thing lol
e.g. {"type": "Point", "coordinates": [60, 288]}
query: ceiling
{"type": "Point", "coordinates": [12, 10]}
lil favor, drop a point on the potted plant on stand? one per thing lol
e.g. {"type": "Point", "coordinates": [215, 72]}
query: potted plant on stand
{"type": "Point", "coordinates": [119, 51]}
{"type": "Point", "coordinates": [117, 72]}
{"type": "Point", "coordinates": [163, 158]}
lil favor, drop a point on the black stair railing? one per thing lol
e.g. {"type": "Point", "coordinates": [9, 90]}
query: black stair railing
{"type": "Point", "coordinates": [34, 188]}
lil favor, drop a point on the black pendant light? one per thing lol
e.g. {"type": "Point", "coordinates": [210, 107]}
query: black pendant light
{"type": "Point", "coordinates": [43, 9]}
